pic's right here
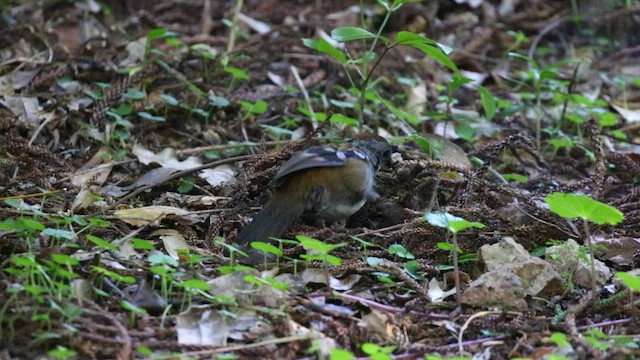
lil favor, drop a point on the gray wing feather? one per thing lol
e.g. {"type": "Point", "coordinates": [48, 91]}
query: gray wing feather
{"type": "Point", "coordinates": [315, 157]}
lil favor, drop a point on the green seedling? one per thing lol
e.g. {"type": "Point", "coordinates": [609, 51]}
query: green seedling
{"type": "Point", "coordinates": [582, 207]}
{"type": "Point", "coordinates": [453, 225]}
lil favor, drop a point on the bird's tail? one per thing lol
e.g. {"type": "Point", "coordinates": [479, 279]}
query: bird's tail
{"type": "Point", "coordinates": [272, 221]}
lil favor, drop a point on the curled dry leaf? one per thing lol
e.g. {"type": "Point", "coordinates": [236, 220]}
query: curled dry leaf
{"type": "Point", "coordinates": [435, 292]}
{"type": "Point", "coordinates": [173, 241]}
{"type": "Point", "coordinates": [166, 158]}
{"type": "Point", "coordinates": [219, 175]}
{"type": "Point", "coordinates": [148, 214]}
{"type": "Point", "coordinates": [95, 171]}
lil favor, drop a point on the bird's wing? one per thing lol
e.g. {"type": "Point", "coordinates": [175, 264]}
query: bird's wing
{"type": "Point", "coordinates": [316, 157]}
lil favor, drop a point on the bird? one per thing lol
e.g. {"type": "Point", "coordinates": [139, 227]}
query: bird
{"type": "Point", "coordinates": [322, 183]}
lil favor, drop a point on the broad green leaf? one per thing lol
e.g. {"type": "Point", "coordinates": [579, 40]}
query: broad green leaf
{"type": "Point", "coordinates": [341, 354]}
{"type": "Point", "coordinates": [450, 222]}
{"type": "Point", "coordinates": [515, 177]}
{"type": "Point", "coordinates": [207, 51]}
{"type": "Point", "coordinates": [64, 259]}
{"type": "Point", "coordinates": [141, 244]}
{"type": "Point", "coordinates": [459, 80]}
{"type": "Point", "coordinates": [400, 251]}
{"type": "Point", "coordinates": [349, 33]}
{"type": "Point", "coordinates": [325, 47]}
{"type": "Point", "coordinates": [572, 206]}
{"type": "Point", "coordinates": [132, 307]}
{"type": "Point", "coordinates": [431, 48]}
{"type": "Point", "coordinates": [135, 94]}
{"type": "Point", "coordinates": [30, 224]}
{"type": "Point", "coordinates": [488, 102]}
{"type": "Point", "coordinates": [171, 100]}
{"type": "Point", "coordinates": [342, 119]}
{"type": "Point", "coordinates": [632, 282]}
{"type": "Point", "coordinates": [437, 54]}
{"type": "Point", "coordinates": [277, 284]}
{"type": "Point", "coordinates": [195, 284]}
{"type": "Point", "coordinates": [560, 339]}
{"type": "Point", "coordinates": [266, 247]}
{"type": "Point", "coordinates": [103, 243]}
{"type": "Point", "coordinates": [148, 116]}
{"type": "Point", "coordinates": [237, 73]}
{"type": "Point", "coordinates": [156, 33]}
{"type": "Point", "coordinates": [315, 244]}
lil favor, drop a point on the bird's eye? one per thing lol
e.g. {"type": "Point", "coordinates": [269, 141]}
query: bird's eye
{"type": "Point", "coordinates": [387, 153]}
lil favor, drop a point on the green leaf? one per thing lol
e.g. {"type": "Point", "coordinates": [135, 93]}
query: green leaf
{"type": "Point", "coordinates": [412, 267]}
{"type": "Point", "coordinates": [572, 206]}
{"type": "Point", "coordinates": [148, 116]}
{"type": "Point", "coordinates": [266, 247]}
{"type": "Point", "coordinates": [341, 354]}
{"type": "Point", "coordinates": [31, 224]}
{"type": "Point", "coordinates": [317, 245]}
{"type": "Point", "coordinates": [515, 177]}
{"type": "Point", "coordinates": [64, 259]}
{"type": "Point", "coordinates": [58, 233]}
{"type": "Point", "coordinates": [325, 47]}
{"type": "Point", "coordinates": [195, 284]}
{"type": "Point", "coordinates": [459, 80]}
{"type": "Point", "coordinates": [205, 50]}
{"type": "Point", "coordinates": [444, 246]}
{"type": "Point", "coordinates": [277, 284]}
{"type": "Point", "coordinates": [100, 242]}
{"type": "Point", "coordinates": [237, 73]}
{"type": "Point", "coordinates": [525, 58]}
{"type": "Point", "coordinates": [632, 282]}
{"type": "Point", "coordinates": [342, 119]}
{"type": "Point", "coordinates": [219, 101]}
{"type": "Point", "coordinates": [156, 33]}
{"type": "Point", "coordinates": [349, 33]}
{"type": "Point", "coordinates": [488, 102]}
{"type": "Point", "coordinates": [259, 107]}
{"type": "Point", "coordinates": [132, 307]}
{"type": "Point", "coordinates": [434, 50]}
{"type": "Point", "coordinates": [171, 100]}
{"type": "Point", "coordinates": [450, 222]}
{"type": "Point", "coordinates": [330, 259]}
{"type": "Point", "coordinates": [408, 117]}
{"type": "Point", "coordinates": [135, 94]}
{"type": "Point", "coordinates": [141, 244]}
{"type": "Point", "coordinates": [423, 143]}
{"type": "Point", "coordinates": [400, 251]}
{"type": "Point", "coordinates": [560, 339]}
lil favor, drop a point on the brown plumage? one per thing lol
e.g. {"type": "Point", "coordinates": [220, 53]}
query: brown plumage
{"type": "Point", "coordinates": [321, 183]}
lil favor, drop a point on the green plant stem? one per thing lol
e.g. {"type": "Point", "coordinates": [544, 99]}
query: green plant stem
{"type": "Point", "coordinates": [365, 83]}
{"type": "Point", "coordinates": [456, 271]}
{"type": "Point", "coordinates": [382, 26]}
{"type": "Point", "coordinates": [585, 224]}
{"type": "Point", "coordinates": [538, 120]}
{"type": "Point", "coordinates": [234, 26]}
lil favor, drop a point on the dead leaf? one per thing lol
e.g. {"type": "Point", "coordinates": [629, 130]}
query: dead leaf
{"type": "Point", "coordinates": [166, 158]}
{"type": "Point", "coordinates": [219, 175]}
{"type": "Point", "coordinates": [148, 214]}
{"type": "Point", "coordinates": [173, 241]}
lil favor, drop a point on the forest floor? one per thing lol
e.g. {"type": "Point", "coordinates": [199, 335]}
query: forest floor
{"type": "Point", "coordinates": [138, 138]}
